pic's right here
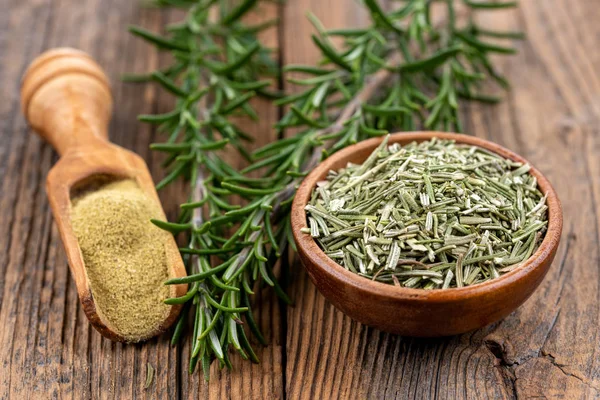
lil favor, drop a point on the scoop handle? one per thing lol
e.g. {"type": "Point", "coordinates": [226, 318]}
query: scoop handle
{"type": "Point", "coordinates": [66, 98]}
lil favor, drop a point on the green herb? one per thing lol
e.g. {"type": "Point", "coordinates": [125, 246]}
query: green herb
{"type": "Point", "coordinates": [216, 69]}
{"type": "Point", "coordinates": [448, 214]}
{"type": "Point", "coordinates": [149, 375]}
{"type": "Point", "coordinates": [408, 69]}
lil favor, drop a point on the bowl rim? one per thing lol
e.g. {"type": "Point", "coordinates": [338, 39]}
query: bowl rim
{"type": "Point", "coordinates": [310, 249]}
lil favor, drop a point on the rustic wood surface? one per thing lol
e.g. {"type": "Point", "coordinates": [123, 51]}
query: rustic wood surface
{"type": "Point", "coordinates": [546, 349]}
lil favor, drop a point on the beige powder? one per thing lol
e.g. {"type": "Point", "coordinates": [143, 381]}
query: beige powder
{"type": "Point", "coordinates": [124, 256]}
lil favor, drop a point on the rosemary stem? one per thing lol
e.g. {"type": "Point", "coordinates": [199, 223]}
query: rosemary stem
{"type": "Point", "coordinates": [198, 194]}
{"type": "Point", "coordinates": [374, 82]}
{"type": "Point", "coordinates": [198, 186]}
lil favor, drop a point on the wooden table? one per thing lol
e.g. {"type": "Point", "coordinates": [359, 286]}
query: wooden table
{"type": "Point", "coordinates": [546, 349]}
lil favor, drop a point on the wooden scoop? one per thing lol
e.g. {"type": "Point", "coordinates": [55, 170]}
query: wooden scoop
{"type": "Point", "coordinates": [66, 98]}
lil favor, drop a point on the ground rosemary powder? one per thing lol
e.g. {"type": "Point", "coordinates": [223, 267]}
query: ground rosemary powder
{"type": "Point", "coordinates": [124, 256]}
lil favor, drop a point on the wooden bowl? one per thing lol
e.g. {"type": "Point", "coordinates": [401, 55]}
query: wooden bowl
{"type": "Point", "coordinates": [418, 312]}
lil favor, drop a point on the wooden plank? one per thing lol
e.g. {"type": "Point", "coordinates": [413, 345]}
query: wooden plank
{"type": "Point", "coordinates": [547, 348]}
{"type": "Point", "coordinates": [247, 380]}
{"type": "Point", "coordinates": [548, 117]}
{"type": "Point", "coordinates": [14, 259]}
{"type": "Point", "coordinates": [48, 344]}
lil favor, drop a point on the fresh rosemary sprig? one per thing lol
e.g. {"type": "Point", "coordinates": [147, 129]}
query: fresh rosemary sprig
{"type": "Point", "coordinates": [404, 71]}
{"type": "Point", "coordinates": [216, 69]}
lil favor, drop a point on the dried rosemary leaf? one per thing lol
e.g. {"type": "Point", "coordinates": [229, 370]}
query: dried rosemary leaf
{"type": "Point", "coordinates": [149, 375]}
{"type": "Point", "coordinates": [429, 215]}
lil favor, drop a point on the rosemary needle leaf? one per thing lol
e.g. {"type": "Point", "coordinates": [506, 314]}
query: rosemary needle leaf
{"type": "Point", "coordinates": [346, 32]}
{"type": "Point", "coordinates": [246, 345]}
{"type": "Point", "coordinates": [385, 111]}
{"type": "Point", "coordinates": [250, 85]}
{"type": "Point", "coordinates": [179, 326]}
{"type": "Point", "coordinates": [431, 62]}
{"type": "Point", "coordinates": [187, 250]}
{"type": "Point", "coordinates": [217, 305]}
{"type": "Point", "coordinates": [206, 359]}
{"type": "Point", "coordinates": [238, 12]}
{"type": "Point", "coordinates": [159, 41]}
{"type": "Point", "coordinates": [196, 204]}
{"type": "Point", "coordinates": [183, 299]}
{"type": "Point", "coordinates": [192, 365]}
{"type": "Point", "coordinates": [158, 118]}
{"type": "Point", "coordinates": [149, 376]}
{"type": "Point", "coordinates": [306, 69]}
{"type": "Point", "coordinates": [481, 98]}
{"type": "Point", "coordinates": [292, 98]}
{"type": "Point", "coordinates": [251, 322]}
{"type": "Point", "coordinates": [306, 119]}
{"type": "Point", "coordinates": [136, 78]}
{"type": "Point", "coordinates": [371, 131]}
{"type": "Point", "coordinates": [330, 53]}
{"type": "Point", "coordinates": [197, 277]}
{"type": "Point", "coordinates": [235, 104]}
{"type": "Point", "coordinates": [226, 69]}
{"type": "Point", "coordinates": [171, 226]}
{"type": "Point", "coordinates": [382, 17]}
{"type": "Point", "coordinates": [490, 4]}
{"type": "Point", "coordinates": [485, 47]}
{"type": "Point", "coordinates": [168, 84]}
{"type": "Point", "coordinates": [244, 210]}
{"type": "Point", "coordinates": [218, 283]}
{"type": "Point", "coordinates": [215, 344]}
{"type": "Point", "coordinates": [296, 174]}
{"type": "Point", "coordinates": [210, 326]}
{"type": "Point", "coordinates": [170, 147]}
{"type": "Point", "coordinates": [216, 145]}
{"type": "Point", "coordinates": [249, 191]}
{"type": "Point", "coordinates": [174, 174]}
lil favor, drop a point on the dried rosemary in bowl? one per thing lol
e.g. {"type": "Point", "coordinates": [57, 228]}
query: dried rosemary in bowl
{"type": "Point", "coordinates": [429, 215]}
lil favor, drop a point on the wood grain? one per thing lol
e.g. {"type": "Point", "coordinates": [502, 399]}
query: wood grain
{"type": "Point", "coordinates": [546, 349]}
{"type": "Point", "coordinates": [547, 118]}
